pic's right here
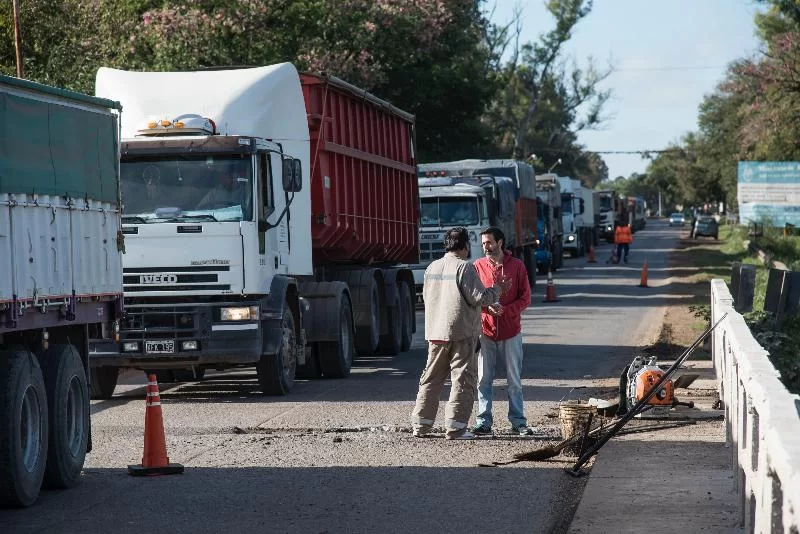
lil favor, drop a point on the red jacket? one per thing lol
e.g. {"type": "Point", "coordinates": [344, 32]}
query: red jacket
{"type": "Point", "coordinates": [514, 301]}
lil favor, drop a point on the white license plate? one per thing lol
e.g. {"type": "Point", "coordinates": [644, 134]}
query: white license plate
{"type": "Point", "coordinates": [159, 347]}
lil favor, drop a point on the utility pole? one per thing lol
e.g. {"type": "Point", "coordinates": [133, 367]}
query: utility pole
{"type": "Point", "coordinates": [17, 38]}
{"type": "Point", "coordinates": [659, 202]}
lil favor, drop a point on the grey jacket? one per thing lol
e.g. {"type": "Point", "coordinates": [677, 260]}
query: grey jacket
{"type": "Point", "coordinates": [454, 295]}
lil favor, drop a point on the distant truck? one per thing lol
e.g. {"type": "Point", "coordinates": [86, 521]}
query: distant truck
{"type": "Point", "coordinates": [614, 208]}
{"type": "Point", "coordinates": [577, 222]}
{"type": "Point", "coordinates": [60, 277]}
{"type": "Point", "coordinates": [269, 218]}
{"type": "Point", "coordinates": [550, 251]}
{"type": "Point", "coordinates": [475, 194]}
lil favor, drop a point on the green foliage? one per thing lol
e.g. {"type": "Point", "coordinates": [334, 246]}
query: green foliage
{"type": "Point", "coordinates": [701, 311]}
{"type": "Point", "coordinates": [439, 59]}
{"type": "Point", "coordinates": [782, 344]}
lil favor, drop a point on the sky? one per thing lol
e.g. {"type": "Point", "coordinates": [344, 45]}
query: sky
{"type": "Point", "coordinates": [667, 55]}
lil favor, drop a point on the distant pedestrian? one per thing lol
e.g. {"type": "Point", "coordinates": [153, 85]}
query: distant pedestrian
{"type": "Point", "coordinates": [453, 296]}
{"type": "Point", "coordinates": [501, 337]}
{"type": "Point", "coordinates": [623, 239]}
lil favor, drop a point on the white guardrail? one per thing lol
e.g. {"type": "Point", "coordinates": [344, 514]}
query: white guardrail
{"type": "Point", "coordinates": [762, 420]}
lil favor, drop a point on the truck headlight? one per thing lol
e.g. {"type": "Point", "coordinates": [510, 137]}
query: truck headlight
{"type": "Point", "coordinates": [240, 313]}
{"type": "Point", "coordinates": [570, 238]}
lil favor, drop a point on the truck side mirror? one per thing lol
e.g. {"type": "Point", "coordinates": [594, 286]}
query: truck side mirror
{"type": "Point", "coordinates": [298, 176]}
{"type": "Point", "coordinates": [583, 208]}
{"type": "Point", "coordinates": [292, 174]}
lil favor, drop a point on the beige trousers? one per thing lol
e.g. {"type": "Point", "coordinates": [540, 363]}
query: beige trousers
{"type": "Point", "coordinates": [457, 360]}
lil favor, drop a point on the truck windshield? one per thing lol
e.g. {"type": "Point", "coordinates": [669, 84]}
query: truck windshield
{"type": "Point", "coordinates": [605, 203]}
{"type": "Point", "coordinates": [177, 188]}
{"type": "Point", "coordinates": [566, 204]}
{"type": "Point", "coordinates": [455, 211]}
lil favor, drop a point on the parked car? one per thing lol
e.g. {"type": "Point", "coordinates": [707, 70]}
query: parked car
{"type": "Point", "coordinates": [676, 219]}
{"type": "Point", "coordinates": [706, 226]}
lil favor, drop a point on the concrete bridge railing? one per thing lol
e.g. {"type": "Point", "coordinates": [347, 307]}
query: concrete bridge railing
{"type": "Point", "coordinates": [762, 420]}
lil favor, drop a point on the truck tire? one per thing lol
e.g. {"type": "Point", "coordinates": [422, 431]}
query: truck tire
{"type": "Point", "coordinates": [68, 410]}
{"type": "Point", "coordinates": [103, 381]}
{"type": "Point", "coordinates": [336, 357]}
{"type": "Point", "coordinates": [390, 341]}
{"type": "Point", "coordinates": [23, 428]}
{"type": "Point", "coordinates": [368, 336]}
{"type": "Point", "coordinates": [276, 372]}
{"type": "Point", "coordinates": [407, 312]}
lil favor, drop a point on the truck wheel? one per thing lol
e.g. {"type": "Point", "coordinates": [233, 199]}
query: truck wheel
{"type": "Point", "coordinates": [367, 337]}
{"type": "Point", "coordinates": [68, 408]}
{"type": "Point", "coordinates": [390, 341]}
{"type": "Point", "coordinates": [407, 313]}
{"type": "Point", "coordinates": [276, 371]}
{"type": "Point", "coordinates": [23, 428]}
{"type": "Point", "coordinates": [336, 357]}
{"type": "Point", "coordinates": [103, 381]}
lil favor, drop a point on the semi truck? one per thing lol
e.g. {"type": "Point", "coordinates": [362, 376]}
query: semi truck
{"type": "Point", "coordinates": [615, 208]}
{"type": "Point", "coordinates": [578, 228]}
{"type": "Point", "coordinates": [475, 194]}
{"type": "Point", "coordinates": [270, 218]}
{"type": "Point", "coordinates": [60, 277]}
{"type": "Point", "coordinates": [550, 252]}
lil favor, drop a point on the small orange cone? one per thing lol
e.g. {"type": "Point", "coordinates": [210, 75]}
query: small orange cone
{"type": "Point", "coordinates": [591, 255]}
{"type": "Point", "coordinates": [643, 282]}
{"type": "Point", "coordinates": [154, 459]}
{"type": "Point", "coordinates": [550, 292]}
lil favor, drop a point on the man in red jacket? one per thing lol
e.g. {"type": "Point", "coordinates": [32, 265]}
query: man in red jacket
{"type": "Point", "coordinates": [501, 331]}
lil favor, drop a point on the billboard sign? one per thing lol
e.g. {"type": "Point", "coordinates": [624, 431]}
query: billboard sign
{"type": "Point", "coordinates": [769, 190]}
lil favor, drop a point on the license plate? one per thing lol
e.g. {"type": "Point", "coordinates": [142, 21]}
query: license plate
{"type": "Point", "coordinates": [159, 347]}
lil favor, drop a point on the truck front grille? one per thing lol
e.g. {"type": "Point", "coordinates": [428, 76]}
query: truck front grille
{"type": "Point", "coordinates": [165, 322]}
{"type": "Point", "coordinates": [190, 278]}
{"type": "Point", "coordinates": [430, 251]}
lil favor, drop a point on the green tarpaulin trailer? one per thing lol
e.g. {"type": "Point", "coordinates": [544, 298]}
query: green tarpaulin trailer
{"type": "Point", "coordinates": [50, 145]}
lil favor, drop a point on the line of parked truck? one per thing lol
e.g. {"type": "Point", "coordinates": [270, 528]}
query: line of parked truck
{"type": "Point", "coordinates": [185, 221]}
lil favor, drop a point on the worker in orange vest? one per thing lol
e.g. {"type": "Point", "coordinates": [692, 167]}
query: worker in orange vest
{"type": "Point", "coordinates": [623, 239]}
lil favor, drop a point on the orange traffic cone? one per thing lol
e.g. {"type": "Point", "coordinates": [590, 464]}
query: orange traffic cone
{"type": "Point", "coordinates": [154, 459]}
{"type": "Point", "coordinates": [550, 292]}
{"type": "Point", "coordinates": [591, 259]}
{"type": "Point", "coordinates": [643, 282]}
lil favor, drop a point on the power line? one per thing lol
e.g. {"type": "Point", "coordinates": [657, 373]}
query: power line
{"type": "Point", "coordinates": [646, 69]}
{"type": "Point", "coordinates": [640, 152]}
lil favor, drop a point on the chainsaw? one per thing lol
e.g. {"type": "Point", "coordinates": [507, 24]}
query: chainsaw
{"type": "Point", "coordinates": [639, 377]}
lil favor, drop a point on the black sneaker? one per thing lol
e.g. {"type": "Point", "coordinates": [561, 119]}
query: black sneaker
{"type": "Point", "coordinates": [522, 430]}
{"type": "Point", "coordinates": [482, 430]}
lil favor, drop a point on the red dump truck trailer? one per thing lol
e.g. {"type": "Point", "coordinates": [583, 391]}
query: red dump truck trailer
{"type": "Point", "coordinates": [268, 217]}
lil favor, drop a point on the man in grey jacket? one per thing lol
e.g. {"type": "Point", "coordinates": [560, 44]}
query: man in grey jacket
{"type": "Point", "coordinates": [453, 295]}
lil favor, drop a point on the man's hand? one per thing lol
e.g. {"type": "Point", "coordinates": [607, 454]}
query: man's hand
{"type": "Point", "coordinates": [495, 310]}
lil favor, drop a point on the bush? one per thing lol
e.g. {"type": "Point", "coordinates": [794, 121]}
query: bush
{"type": "Point", "coordinates": [782, 344]}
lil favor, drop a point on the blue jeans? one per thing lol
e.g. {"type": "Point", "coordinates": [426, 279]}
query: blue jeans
{"type": "Point", "coordinates": [623, 248]}
{"type": "Point", "coordinates": [510, 350]}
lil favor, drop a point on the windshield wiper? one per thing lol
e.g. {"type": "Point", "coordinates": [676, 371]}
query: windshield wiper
{"type": "Point", "coordinates": [204, 217]}
{"type": "Point", "coordinates": [134, 219]}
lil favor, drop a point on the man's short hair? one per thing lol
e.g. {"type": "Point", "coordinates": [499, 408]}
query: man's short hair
{"type": "Point", "coordinates": [496, 233]}
{"type": "Point", "coordinates": [456, 239]}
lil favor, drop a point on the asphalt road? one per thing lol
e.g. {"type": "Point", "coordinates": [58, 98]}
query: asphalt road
{"type": "Point", "coordinates": [337, 455]}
